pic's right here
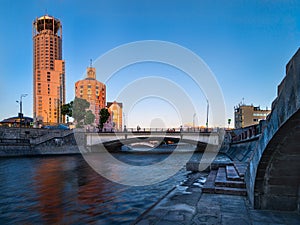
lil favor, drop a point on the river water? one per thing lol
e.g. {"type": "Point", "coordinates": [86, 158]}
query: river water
{"type": "Point", "coordinates": [66, 190]}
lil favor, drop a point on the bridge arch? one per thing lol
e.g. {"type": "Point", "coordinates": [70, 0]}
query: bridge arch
{"type": "Point", "coordinates": [277, 183]}
{"type": "Point", "coordinates": [115, 144]}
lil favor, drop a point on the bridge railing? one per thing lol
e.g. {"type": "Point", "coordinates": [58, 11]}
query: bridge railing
{"type": "Point", "coordinates": [247, 133]}
{"type": "Point", "coordinates": [157, 130]}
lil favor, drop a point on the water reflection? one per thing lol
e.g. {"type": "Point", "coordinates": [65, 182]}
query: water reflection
{"type": "Point", "coordinates": [49, 186]}
{"type": "Point", "coordinates": [65, 190]}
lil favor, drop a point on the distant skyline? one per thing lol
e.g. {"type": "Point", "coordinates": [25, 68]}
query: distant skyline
{"type": "Point", "coordinates": [246, 44]}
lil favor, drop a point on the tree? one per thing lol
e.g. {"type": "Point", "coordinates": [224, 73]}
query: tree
{"type": "Point", "coordinates": [67, 109]}
{"type": "Point", "coordinates": [79, 110]}
{"type": "Point", "coordinates": [89, 117]}
{"type": "Point", "coordinates": [104, 115]}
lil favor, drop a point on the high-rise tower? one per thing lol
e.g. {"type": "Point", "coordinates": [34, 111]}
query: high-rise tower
{"type": "Point", "coordinates": [48, 70]}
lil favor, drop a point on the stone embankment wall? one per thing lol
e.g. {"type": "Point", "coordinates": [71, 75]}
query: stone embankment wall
{"type": "Point", "coordinates": [28, 142]}
{"type": "Point", "coordinates": [241, 151]}
{"type": "Point", "coordinates": [240, 143]}
{"type": "Point", "coordinates": [273, 174]}
{"type": "Point", "coordinates": [21, 133]}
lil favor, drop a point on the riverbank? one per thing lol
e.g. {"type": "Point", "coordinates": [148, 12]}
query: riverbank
{"type": "Point", "coordinates": [186, 204]}
{"type": "Point", "coordinates": [17, 142]}
{"type": "Point", "coordinates": [24, 151]}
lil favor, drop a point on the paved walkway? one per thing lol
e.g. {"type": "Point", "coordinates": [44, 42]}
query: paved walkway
{"type": "Point", "coordinates": [186, 204]}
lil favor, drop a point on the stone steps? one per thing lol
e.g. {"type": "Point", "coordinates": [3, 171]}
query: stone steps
{"type": "Point", "coordinates": [240, 168]}
{"type": "Point", "coordinates": [209, 185]}
{"type": "Point", "coordinates": [232, 174]}
{"type": "Point", "coordinates": [222, 181]}
{"type": "Point", "coordinates": [231, 191]}
{"type": "Point", "coordinates": [226, 180]}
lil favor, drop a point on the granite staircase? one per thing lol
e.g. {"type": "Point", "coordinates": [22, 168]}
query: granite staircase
{"type": "Point", "coordinates": [51, 135]}
{"type": "Point", "coordinates": [227, 179]}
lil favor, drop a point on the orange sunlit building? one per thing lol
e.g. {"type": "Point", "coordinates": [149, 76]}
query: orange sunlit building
{"type": "Point", "coordinates": [48, 70]}
{"type": "Point", "coordinates": [93, 91]}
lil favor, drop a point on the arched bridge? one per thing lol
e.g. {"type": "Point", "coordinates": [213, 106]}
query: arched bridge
{"type": "Point", "coordinates": [273, 175]}
{"type": "Point", "coordinates": [112, 140]}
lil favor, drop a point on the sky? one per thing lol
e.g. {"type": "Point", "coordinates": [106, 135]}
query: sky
{"type": "Point", "coordinates": [246, 45]}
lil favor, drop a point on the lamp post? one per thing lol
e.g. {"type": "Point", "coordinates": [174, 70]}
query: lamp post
{"type": "Point", "coordinates": [21, 111]}
{"type": "Point", "coordinates": [124, 121]}
{"type": "Point", "coordinates": [207, 111]}
{"type": "Point", "coordinates": [194, 121]}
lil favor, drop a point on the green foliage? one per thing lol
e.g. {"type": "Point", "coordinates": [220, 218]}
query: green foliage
{"type": "Point", "coordinates": [79, 109]}
{"type": "Point", "coordinates": [67, 109]}
{"type": "Point", "coordinates": [79, 125]}
{"type": "Point", "coordinates": [89, 118]}
{"type": "Point", "coordinates": [104, 115]}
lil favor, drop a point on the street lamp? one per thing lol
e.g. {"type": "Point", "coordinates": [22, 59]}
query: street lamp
{"type": "Point", "coordinates": [207, 111]}
{"type": "Point", "coordinates": [124, 120]}
{"type": "Point", "coordinates": [194, 120]}
{"type": "Point", "coordinates": [21, 112]}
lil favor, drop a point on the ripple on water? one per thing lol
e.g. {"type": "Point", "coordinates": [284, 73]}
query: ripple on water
{"type": "Point", "coordinates": [65, 190]}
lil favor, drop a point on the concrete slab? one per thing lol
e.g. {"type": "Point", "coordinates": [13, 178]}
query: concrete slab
{"type": "Point", "coordinates": [207, 209]}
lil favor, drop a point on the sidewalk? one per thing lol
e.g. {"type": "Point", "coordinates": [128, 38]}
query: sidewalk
{"type": "Point", "coordinates": [186, 204]}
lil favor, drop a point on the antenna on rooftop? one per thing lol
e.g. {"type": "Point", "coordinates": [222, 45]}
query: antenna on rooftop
{"type": "Point", "coordinates": [91, 62]}
{"type": "Point", "coordinates": [46, 12]}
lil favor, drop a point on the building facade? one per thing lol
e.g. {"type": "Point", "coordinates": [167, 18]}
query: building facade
{"type": "Point", "coordinates": [17, 122]}
{"type": "Point", "coordinates": [247, 115]}
{"type": "Point", "coordinates": [48, 71]}
{"type": "Point", "coordinates": [93, 91]}
{"type": "Point", "coordinates": [116, 114]}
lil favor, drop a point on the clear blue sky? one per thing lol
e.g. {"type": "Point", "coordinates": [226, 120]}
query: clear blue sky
{"type": "Point", "coordinates": [245, 43]}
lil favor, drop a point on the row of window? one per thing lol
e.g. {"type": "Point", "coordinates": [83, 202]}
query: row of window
{"type": "Point", "coordinates": [46, 60]}
{"type": "Point", "coordinates": [51, 67]}
{"type": "Point", "coordinates": [90, 86]}
{"type": "Point", "coordinates": [47, 56]}
{"type": "Point", "coordinates": [44, 53]}
{"type": "Point", "coordinates": [41, 46]}
{"type": "Point", "coordinates": [38, 52]}
{"type": "Point", "coordinates": [260, 114]}
{"type": "Point", "coordinates": [89, 92]}
{"type": "Point", "coordinates": [46, 38]}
